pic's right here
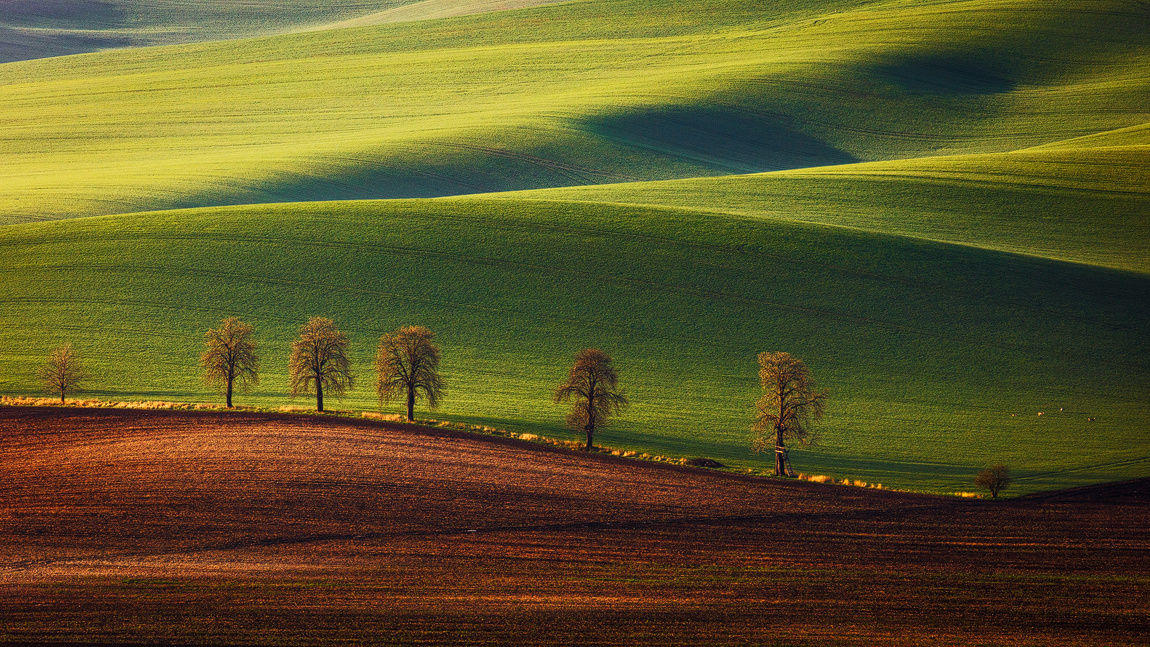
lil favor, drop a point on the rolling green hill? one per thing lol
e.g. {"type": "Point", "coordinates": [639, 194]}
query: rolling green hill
{"type": "Point", "coordinates": [941, 206]}
{"type": "Point", "coordinates": [558, 96]}
{"type": "Point", "coordinates": [938, 357]}
{"type": "Point", "coordinates": [1083, 201]}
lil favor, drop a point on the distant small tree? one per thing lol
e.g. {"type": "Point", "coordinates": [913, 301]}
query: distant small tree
{"type": "Point", "coordinates": [407, 362]}
{"type": "Point", "coordinates": [319, 361]}
{"type": "Point", "coordinates": [592, 387]}
{"type": "Point", "coordinates": [230, 356]}
{"type": "Point", "coordinates": [788, 406]}
{"type": "Point", "coordinates": [63, 372]}
{"type": "Point", "coordinates": [995, 478]}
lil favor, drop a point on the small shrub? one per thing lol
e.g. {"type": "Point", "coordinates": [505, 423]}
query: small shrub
{"type": "Point", "coordinates": [701, 461]}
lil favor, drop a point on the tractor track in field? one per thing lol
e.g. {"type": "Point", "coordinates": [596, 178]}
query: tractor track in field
{"type": "Point", "coordinates": [583, 526]}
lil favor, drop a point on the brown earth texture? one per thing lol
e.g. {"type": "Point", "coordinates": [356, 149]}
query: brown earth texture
{"type": "Point", "coordinates": [185, 527]}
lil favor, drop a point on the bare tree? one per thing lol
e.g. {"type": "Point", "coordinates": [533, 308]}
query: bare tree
{"type": "Point", "coordinates": [592, 387]}
{"type": "Point", "coordinates": [63, 372]}
{"type": "Point", "coordinates": [230, 356]}
{"type": "Point", "coordinates": [995, 478]}
{"type": "Point", "coordinates": [319, 361]}
{"type": "Point", "coordinates": [407, 362]}
{"type": "Point", "coordinates": [788, 406]}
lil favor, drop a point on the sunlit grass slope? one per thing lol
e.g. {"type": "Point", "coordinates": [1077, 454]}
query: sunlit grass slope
{"type": "Point", "coordinates": [578, 93]}
{"type": "Point", "coordinates": [938, 357]}
{"type": "Point", "coordinates": [432, 9]}
{"type": "Point", "coordinates": [1085, 200]}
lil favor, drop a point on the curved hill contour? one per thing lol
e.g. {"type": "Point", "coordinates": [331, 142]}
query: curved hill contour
{"type": "Point", "coordinates": [559, 96]}
{"type": "Point", "coordinates": [32, 29]}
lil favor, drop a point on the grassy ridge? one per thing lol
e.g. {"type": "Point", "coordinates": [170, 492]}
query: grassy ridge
{"type": "Point", "coordinates": [938, 357]}
{"type": "Point", "coordinates": [557, 96]}
{"type": "Point", "coordinates": [1063, 201]}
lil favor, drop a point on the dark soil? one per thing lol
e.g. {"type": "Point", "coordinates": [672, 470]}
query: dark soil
{"type": "Point", "coordinates": [156, 526]}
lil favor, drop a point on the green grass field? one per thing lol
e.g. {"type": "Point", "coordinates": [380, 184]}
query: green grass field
{"type": "Point", "coordinates": [1066, 201]}
{"type": "Point", "coordinates": [941, 206]}
{"type": "Point", "coordinates": [557, 96]}
{"type": "Point", "coordinates": [939, 357]}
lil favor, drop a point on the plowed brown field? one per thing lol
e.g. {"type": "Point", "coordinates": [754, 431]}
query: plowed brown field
{"type": "Point", "coordinates": [135, 526]}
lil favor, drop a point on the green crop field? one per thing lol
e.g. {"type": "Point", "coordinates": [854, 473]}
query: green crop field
{"type": "Point", "coordinates": [941, 206]}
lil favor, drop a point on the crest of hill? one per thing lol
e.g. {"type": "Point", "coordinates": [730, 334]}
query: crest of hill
{"type": "Point", "coordinates": [1085, 200]}
{"type": "Point", "coordinates": [434, 9]}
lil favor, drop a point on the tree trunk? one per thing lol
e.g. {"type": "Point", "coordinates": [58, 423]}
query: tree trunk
{"type": "Point", "coordinates": [318, 393]}
{"type": "Point", "coordinates": [590, 429]}
{"type": "Point", "coordinates": [229, 393]}
{"type": "Point", "coordinates": [410, 405]}
{"type": "Point", "coordinates": [61, 396]}
{"type": "Point", "coordinates": [780, 467]}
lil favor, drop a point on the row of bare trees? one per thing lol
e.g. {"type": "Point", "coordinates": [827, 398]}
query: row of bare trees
{"type": "Point", "coordinates": [407, 366]}
{"type": "Point", "coordinates": [406, 362]}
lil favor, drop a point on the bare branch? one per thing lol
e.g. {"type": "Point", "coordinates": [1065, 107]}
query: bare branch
{"type": "Point", "coordinates": [230, 356]}
{"type": "Point", "coordinates": [63, 372]}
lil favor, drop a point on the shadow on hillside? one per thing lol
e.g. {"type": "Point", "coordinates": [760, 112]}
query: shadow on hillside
{"type": "Point", "coordinates": [20, 44]}
{"type": "Point", "coordinates": [38, 28]}
{"type": "Point", "coordinates": [943, 74]}
{"type": "Point", "coordinates": [741, 140]}
{"type": "Point", "coordinates": [57, 14]}
{"type": "Point", "coordinates": [554, 155]}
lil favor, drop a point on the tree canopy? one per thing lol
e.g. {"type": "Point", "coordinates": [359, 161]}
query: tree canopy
{"type": "Point", "coordinates": [63, 372]}
{"type": "Point", "coordinates": [995, 478]}
{"type": "Point", "coordinates": [592, 387]}
{"type": "Point", "coordinates": [407, 363]}
{"type": "Point", "coordinates": [788, 406]}
{"type": "Point", "coordinates": [319, 361]}
{"type": "Point", "coordinates": [230, 356]}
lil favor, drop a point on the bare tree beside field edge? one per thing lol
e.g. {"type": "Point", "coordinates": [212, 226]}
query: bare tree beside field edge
{"type": "Point", "coordinates": [63, 371]}
{"type": "Point", "coordinates": [407, 362]}
{"type": "Point", "coordinates": [319, 361]}
{"type": "Point", "coordinates": [788, 406]}
{"type": "Point", "coordinates": [230, 357]}
{"type": "Point", "coordinates": [592, 387]}
{"type": "Point", "coordinates": [994, 479]}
